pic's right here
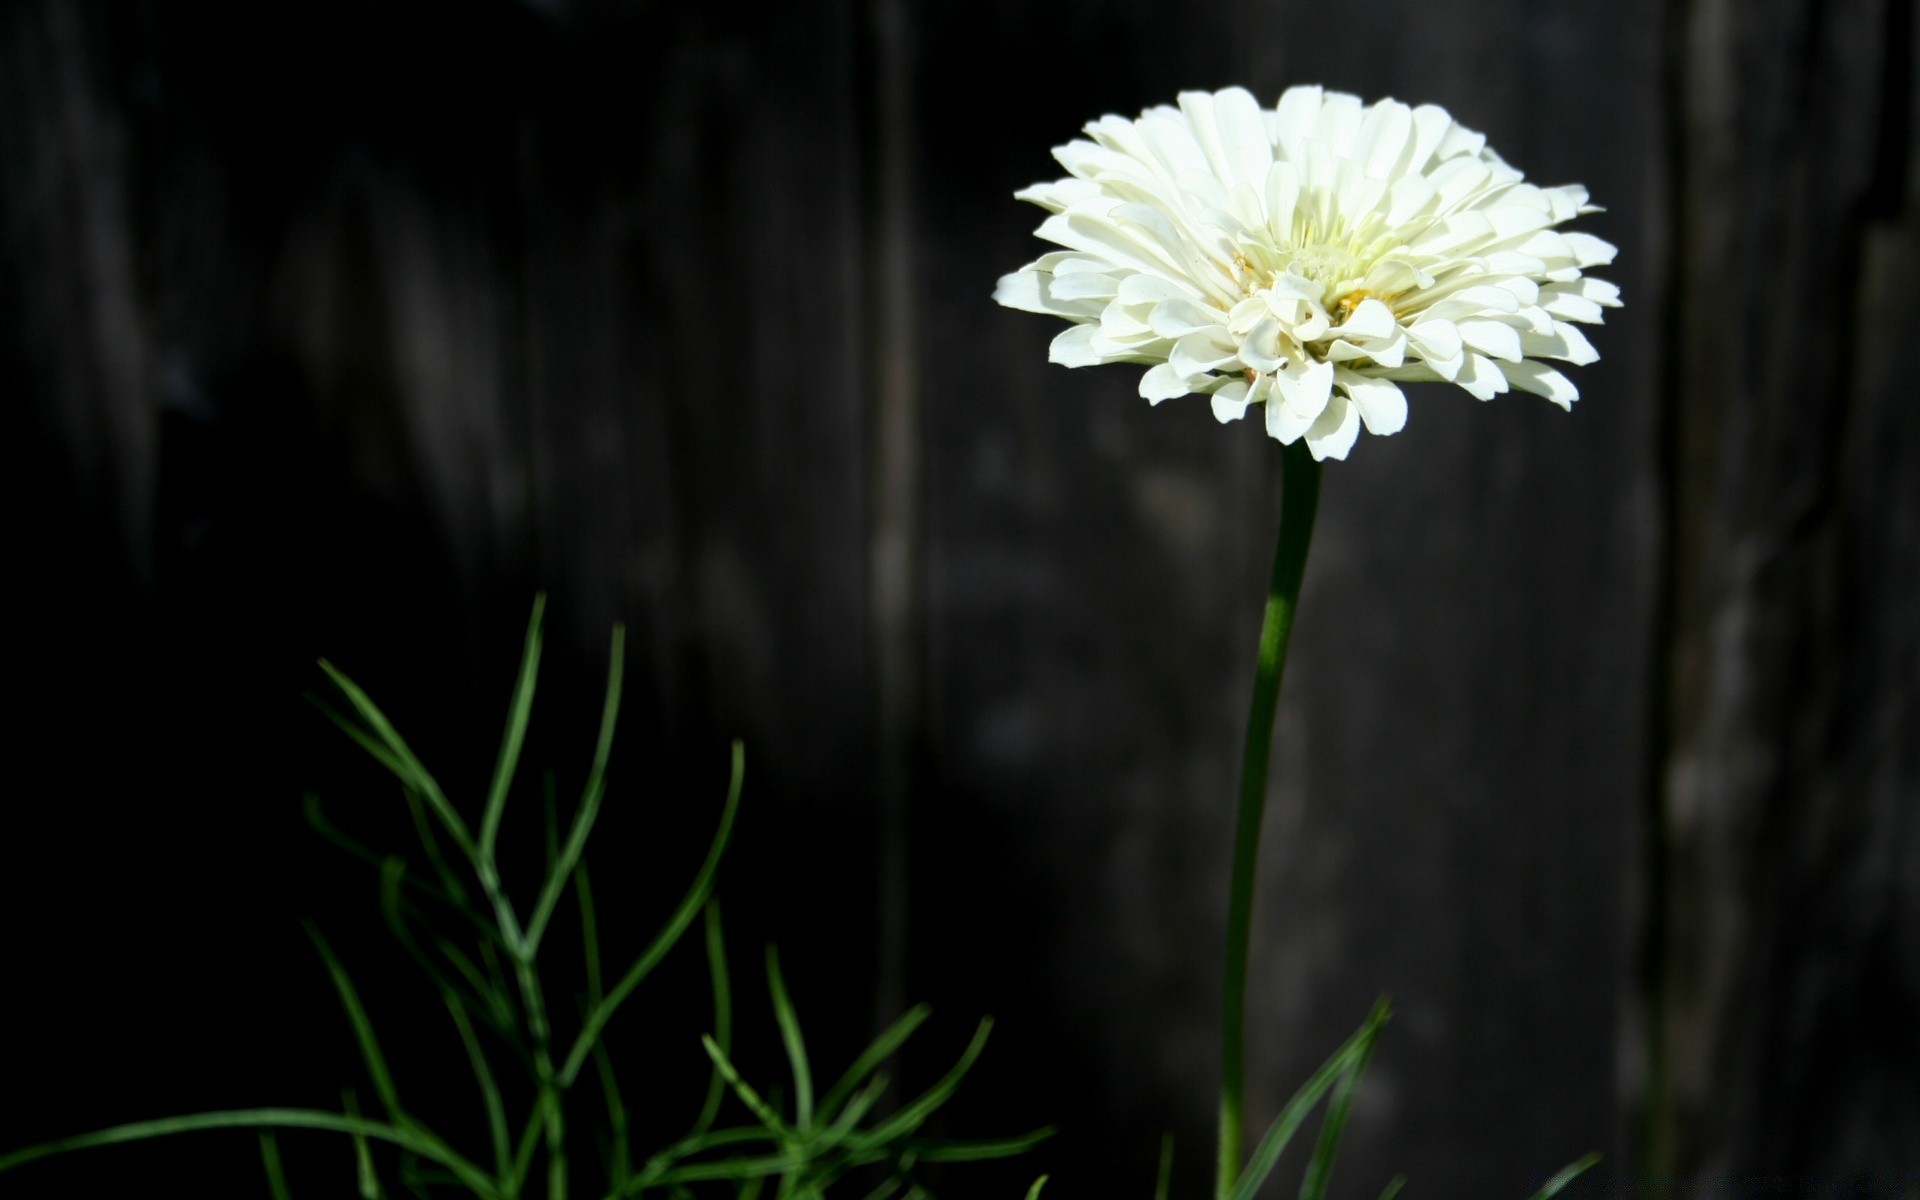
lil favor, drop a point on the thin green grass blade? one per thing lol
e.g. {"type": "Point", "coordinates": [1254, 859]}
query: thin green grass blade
{"type": "Point", "coordinates": [1267, 1154]}
{"type": "Point", "coordinates": [733, 1168]}
{"type": "Point", "coordinates": [276, 1174]}
{"type": "Point", "coordinates": [550, 807]}
{"type": "Point", "coordinates": [483, 1077]}
{"type": "Point", "coordinates": [981, 1149]}
{"type": "Point", "coordinates": [620, 1166]}
{"type": "Point", "coordinates": [858, 1107]}
{"type": "Point", "coordinates": [1320, 1169]}
{"type": "Point", "coordinates": [722, 1014]}
{"type": "Point", "coordinates": [1033, 1193]}
{"type": "Point", "coordinates": [1393, 1187]}
{"type": "Point", "coordinates": [364, 1176]}
{"type": "Point", "coordinates": [519, 709]}
{"type": "Point", "coordinates": [527, 1146]}
{"type": "Point", "coordinates": [496, 974]}
{"type": "Point", "coordinates": [913, 1115]}
{"type": "Point", "coordinates": [590, 797]}
{"type": "Point", "coordinates": [425, 1145]}
{"type": "Point", "coordinates": [423, 829]}
{"type": "Point", "coordinates": [870, 1059]}
{"type": "Point", "coordinates": [619, 1150]}
{"type": "Point", "coordinates": [796, 1046]}
{"type": "Point", "coordinates": [658, 1165]}
{"type": "Point", "coordinates": [889, 1186]}
{"type": "Point", "coordinates": [589, 934]}
{"type": "Point", "coordinates": [366, 741]}
{"type": "Point", "coordinates": [393, 907]}
{"type": "Point", "coordinates": [410, 769]}
{"type": "Point", "coordinates": [362, 1030]}
{"type": "Point", "coordinates": [1567, 1175]}
{"type": "Point", "coordinates": [317, 818]}
{"type": "Point", "coordinates": [669, 935]}
{"type": "Point", "coordinates": [766, 1113]}
{"type": "Point", "coordinates": [1163, 1178]}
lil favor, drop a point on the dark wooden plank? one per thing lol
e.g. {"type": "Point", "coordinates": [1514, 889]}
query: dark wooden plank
{"type": "Point", "coordinates": [452, 305]}
{"type": "Point", "coordinates": [1787, 939]}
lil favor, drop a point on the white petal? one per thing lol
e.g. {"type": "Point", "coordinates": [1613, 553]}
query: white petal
{"type": "Point", "coordinates": [1146, 289]}
{"type": "Point", "coordinates": [1385, 138]}
{"type": "Point", "coordinates": [1074, 347]}
{"type": "Point", "coordinates": [1260, 348]}
{"type": "Point", "coordinates": [1599, 291]}
{"type": "Point", "coordinates": [1059, 195]}
{"type": "Point", "coordinates": [1382, 405]}
{"type": "Point", "coordinates": [1084, 285]}
{"type": "Point", "coordinates": [1199, 353]}
{"type": "Point", "coordinates": [1411, 194]}
{"type": "Point", "coordinates": [1283, 192]}
{"type": "Point", "coordinates": [1298, 111]}
{"type": "Point", "coordinates": [1492, 337]}
{"type": "Point", "coordinates": [1162, 382]}
{"type": "Point", "coordinates": [1566, 343]}
{"type": "Point", "coordinates": [1178, 317]}
{"type": "Point", "coordinates": [1243, 137]}
{"type": "Point", "coordinates": [1435, 340]}
{"type": "Point", "coordinates": [1032, 291]}
{"type": "Point", "coordinates": [1305, 387]}
{"type": "Point", "coordinates": [1339, 125]}
{"type": "Point", "coordinates": [1230, 402]}
{"type": "Point", "coordinates": [1481, 377]}
{"type": "Point", "coordinates": [1371, 319]}
{"type": "Point", "coordinates": [1335, 432]}
{"type": "Point", "coordinates": [1590, 251]}
{"type": "Point", "coordinates": [1542, 380]}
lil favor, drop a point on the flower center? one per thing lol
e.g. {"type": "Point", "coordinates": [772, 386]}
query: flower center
{"type": "Point", "coordinates": [1325, 263]}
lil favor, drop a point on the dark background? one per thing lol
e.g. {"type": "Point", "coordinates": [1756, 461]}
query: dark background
{"type": "Point", "coordinates": [339, 330]}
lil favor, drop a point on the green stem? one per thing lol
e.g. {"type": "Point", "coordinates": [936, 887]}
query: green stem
{"type": "Point", "coordinates": [1300, 497]}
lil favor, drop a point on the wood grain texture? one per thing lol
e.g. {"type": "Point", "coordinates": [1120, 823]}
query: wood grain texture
{"type": "Point", "coordinates": [1785, 981]}
{"type": "Point", "coordinates": [342, 332]}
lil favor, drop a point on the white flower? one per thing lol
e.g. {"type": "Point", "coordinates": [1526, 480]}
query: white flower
{"type": "Point", "coordinates": [1309, 258]}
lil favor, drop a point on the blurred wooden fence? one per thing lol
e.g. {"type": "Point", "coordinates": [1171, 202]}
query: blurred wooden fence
{"type": "Point", "coordinates": [340, 330]}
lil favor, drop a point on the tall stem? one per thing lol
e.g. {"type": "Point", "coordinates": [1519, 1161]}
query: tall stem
{"type": "Point", "coordinates": [1300, 498]}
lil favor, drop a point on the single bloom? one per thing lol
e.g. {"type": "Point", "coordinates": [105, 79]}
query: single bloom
{"type": "Point", "coordinates": [1310, 258]}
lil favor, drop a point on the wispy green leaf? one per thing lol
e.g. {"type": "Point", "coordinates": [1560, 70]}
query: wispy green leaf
{"type": "Point", "coordinates": [1565, 1176]}
{"type": "Point", "coordinates": [755, 1103]}
{"type": "Point", "coordinates": [1267, 1154]}
{"type": "Point", "coordinates": [951, 1150]}
{"type": "Point", "coordinates": [589, 810]}
{"type": "Point", "coordinates": [397, 757]}
{"type": "Point", "coordinates": [870, 1059]}
{"type": "Point", "coordinates": [376, 1062]}
{"type": "Point", "coordinates": [519, 710]}
{"type": "Point", "coordinates": [796, 1046]}
{"type": "Point", "coordinates": [1320, 1169]}
{"type": "Point", "coordinates": [276, 1174]}
{"type": "Point", "coordinates": [722, 1013]}
{"type": "Point", "coordinates": [914, 1114]}
{"type": "Point", "coordinates": [367, 1181]}
{"type": "Point", "coordinates": [669, 935]}
{"type": "Point", "coordinates": [422, 1144]}
{"type": "Point", "coordinates": [483, 1078]}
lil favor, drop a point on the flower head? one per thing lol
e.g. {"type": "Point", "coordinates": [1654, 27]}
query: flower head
{"type": "Point", "coordinates": [1310, 258]}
